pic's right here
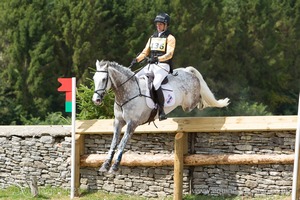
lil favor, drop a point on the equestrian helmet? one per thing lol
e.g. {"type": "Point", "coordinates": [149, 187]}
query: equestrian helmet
{"type": "Point", "coordinates": [163, 18]}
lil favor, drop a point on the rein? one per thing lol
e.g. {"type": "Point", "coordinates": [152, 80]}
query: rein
{"type": "Point", "coordinates": [127, 80]}
{"type": "Point", "coordinates": [138, 95]}
{"type": "Point", "coordinates": [105, 91]}
{"type": "Point", "coordinates": [130, 76]}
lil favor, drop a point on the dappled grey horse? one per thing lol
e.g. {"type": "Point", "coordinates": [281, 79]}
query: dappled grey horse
{"type": "Point", "coordinates": [131, 96]}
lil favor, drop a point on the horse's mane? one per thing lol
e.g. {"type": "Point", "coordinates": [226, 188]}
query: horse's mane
{"type": "Point", "coordinates": [120, 68]}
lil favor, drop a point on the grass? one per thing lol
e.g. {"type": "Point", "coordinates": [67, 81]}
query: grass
{"type": "Point", "coordinates": [16, 193]}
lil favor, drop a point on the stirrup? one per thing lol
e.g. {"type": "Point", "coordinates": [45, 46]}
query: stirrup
{"type": "Point", "coordinates": [162, 116]}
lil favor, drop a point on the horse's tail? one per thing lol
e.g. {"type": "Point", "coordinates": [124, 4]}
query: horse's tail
{"type": "Point", "coordinates": [207, 97]}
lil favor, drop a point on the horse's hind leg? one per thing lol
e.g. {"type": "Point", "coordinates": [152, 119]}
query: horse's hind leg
{"type": "Point", "coordinates": [117, 130]}
{"type": "Point", "coordinates": [129, 131]}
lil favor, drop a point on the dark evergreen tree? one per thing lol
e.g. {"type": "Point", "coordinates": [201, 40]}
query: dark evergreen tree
{"type": "Point", "coordinates": [246, 50]}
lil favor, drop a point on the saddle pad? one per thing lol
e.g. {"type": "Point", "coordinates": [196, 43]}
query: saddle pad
{"type": "Point", "coordinates": [168, 94]}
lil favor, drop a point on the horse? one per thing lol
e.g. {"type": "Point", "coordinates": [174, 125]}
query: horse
{"type": "Point", "coordinates": [131, 107]}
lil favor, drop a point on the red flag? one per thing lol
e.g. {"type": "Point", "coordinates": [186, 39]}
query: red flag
{"type": "Point", "coordinates": [66, 86]}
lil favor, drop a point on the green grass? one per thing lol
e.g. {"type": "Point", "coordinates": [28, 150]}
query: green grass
{"type": "Point", "coordinates": [16, 193]}
{"type": "Point", "coordinates": [203, 197]}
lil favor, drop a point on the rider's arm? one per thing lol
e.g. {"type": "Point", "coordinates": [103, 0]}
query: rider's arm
{"type": "Point", "coordinates": [144, 53]}
{"type": "Point", "coordinates": [171, 43]}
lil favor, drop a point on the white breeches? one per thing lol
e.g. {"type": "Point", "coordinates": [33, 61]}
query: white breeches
{"type": "Point", "coordinates": [160, 71]}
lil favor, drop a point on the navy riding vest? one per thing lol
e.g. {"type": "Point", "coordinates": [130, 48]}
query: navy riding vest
{"type": "Point", "coordinates": [158, 46]}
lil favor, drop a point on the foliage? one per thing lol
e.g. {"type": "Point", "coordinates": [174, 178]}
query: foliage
{"type": "Point", "coordinates": [234, 44]}
{"type": "Point", "coordinates": [241, 107]}
{"type": "Point", "coordinates": [247, 109]}
{"type": "Point", "coordinates": [87, 109]}
{"type": "Point", "coordinates": [239, 44]}
{"type": "Point", "coordinates": [9, 112]}
{"type": "Point", "coordinates": [51, 119]}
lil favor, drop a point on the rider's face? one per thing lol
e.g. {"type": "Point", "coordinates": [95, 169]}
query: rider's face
{"type": "Point", "coordinates": [160, 26]}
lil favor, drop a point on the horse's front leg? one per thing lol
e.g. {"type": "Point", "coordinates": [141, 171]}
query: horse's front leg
{"type": "Point", "coordinates": [131, 126]}
{"type": "Point", "coordinates": [117, 130]}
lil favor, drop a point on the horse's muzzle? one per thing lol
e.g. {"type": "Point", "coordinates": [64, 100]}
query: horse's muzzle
{"type": "Point", "coordinates": [97, 99]}
{"type": "Point", "coordinates": [97, 102]}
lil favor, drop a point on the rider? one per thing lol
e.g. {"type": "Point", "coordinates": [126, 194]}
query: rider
{"type": "Point", "coordinates": [160, 49]}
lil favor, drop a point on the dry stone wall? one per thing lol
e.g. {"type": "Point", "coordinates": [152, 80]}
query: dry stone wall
{"type": "Point", "coordinates": [37, 151]}
{"type": "Point", "coordinates": [44, 152]}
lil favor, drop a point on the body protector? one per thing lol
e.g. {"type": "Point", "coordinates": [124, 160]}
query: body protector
{"type": "Point", "coordinates": [164, 50]}
{"type": "Point", "coordinates": [158, 46]}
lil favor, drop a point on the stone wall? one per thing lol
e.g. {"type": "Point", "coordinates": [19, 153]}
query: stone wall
{"type": "Point", "coordinates": [45, 151]}
{"type": "Point", "coordinates": [39, 151]}
{"type": "Point", "coordinates": [146, 181]}
{"type": "Point", "coordinates": [246, 180]}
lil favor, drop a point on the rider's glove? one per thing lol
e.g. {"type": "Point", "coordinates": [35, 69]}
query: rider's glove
{"type": "Point", "coordinates": [133, 62]}
{"type": "Point", "coordinates": [153, 60]}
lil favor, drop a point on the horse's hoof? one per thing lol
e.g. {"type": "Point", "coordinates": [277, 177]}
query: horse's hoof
{"type": "Point", "coordinates": [114, 169]}
{"type": "Point", "coordinates": [104, 167]}
{"type": "Point", "coordinates": [111, 171]}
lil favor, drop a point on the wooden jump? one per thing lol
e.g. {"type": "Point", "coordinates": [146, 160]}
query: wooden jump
{"type": "Point", "coordinates": [180, 126]}
{"type": "Point", "coordinates": [160, 160]}
{"type": "Point", "coordinates": [197, 124]}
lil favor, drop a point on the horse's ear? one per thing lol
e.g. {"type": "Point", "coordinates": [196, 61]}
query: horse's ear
{"type": "Point", "coordinates": [97, 64]}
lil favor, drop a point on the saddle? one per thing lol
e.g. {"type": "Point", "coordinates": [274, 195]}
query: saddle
{"type": "Point", "coordinates": [153, 95]}
{"type": "Point", "coordinates": [150, 85]}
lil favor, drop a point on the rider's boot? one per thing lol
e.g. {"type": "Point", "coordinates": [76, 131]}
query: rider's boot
{"type": "Point", "coordinates": [160, 102]}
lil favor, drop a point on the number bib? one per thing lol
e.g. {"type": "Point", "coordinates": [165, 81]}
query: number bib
{"type": "Point", "coordinates": [158, 44]}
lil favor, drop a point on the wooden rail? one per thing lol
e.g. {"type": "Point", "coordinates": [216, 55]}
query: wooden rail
{"type": "Point", "coordinates": [159, 160]}
{"type": "Point", "coordinates": [197, 124]}
{"type": "Point", "coordinates": [181, 126]}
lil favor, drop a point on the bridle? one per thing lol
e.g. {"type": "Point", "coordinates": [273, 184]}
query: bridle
{"type": "Point", "coordinates": [105, 91]}
{"type": "Point", "coordinates": [102, 89]}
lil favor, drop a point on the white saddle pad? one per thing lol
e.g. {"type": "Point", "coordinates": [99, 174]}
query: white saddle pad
{"type": "Point", "coordinates": [168, 94]}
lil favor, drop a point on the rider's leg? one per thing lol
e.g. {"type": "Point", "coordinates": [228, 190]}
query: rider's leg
{"type": "Point", "coordinates": [143, 71]}
{"type": "Point", "coordinates": [160, 73]}
{"type": "Point", "coordinates": [160, 102]}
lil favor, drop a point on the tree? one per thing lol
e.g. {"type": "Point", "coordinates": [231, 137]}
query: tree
{"type": "Point", "coordinates": [246, 50]}
{"type": "Point", "coordinates": [29, 55]}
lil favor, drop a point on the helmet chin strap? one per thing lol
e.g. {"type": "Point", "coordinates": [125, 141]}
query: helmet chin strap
{"type": "Point", "coordinates": [165, 28]}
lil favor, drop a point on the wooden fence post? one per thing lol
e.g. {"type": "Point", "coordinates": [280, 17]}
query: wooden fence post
{"type": "Point", "coordinates": [180, 148]}
{"type": "Point", "coordinates": [296, 173]}
{"type": "Point", "coordinates": [79, 150]}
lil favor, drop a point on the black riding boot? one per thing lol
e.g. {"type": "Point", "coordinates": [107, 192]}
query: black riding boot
{"type": "Point", "coordinates": [160, 102]}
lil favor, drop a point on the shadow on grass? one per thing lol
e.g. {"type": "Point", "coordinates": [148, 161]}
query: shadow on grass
{"type": "Point", "coordinates": [3, 196]}
{"type": "Point", "coordinates": [85, 193]}
{"type": "Point", "coordinates": [41, 196]}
